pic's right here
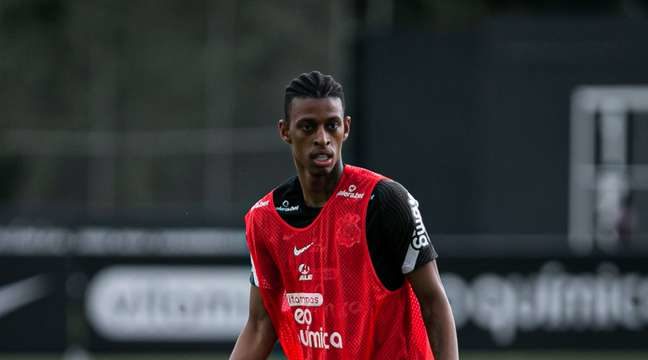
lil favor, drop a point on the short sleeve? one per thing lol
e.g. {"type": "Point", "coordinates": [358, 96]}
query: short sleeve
{"type": "Point", "coordinates": [395, 225]}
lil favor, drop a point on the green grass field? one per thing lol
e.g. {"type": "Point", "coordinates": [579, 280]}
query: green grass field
{"type": "Point", "coordinates": [508, 355]}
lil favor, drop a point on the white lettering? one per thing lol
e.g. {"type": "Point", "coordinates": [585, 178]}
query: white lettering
{"type": "Point", "coordinates": [168, 303]}
{"type": "Point", "coordinates": [419, 235]}
{"type": "Point", "coordinates": [303, 316]}
{"type": "Point", "coordinates": [288, 209]}
{"type": "Point", "coordinates": [336, 340]}
{"type": "Point", "coordinates": [550, 300]}
{"type": "Point", "coordinates": [260, 204]}
{"type": "Point", "coordinates": [320, 339]}
{"type": "Point", "coordinates": [350, 193]}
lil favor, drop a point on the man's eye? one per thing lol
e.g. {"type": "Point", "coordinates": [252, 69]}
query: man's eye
{"type": "Point", "coordinates": [307, 127]}
{"type": "Point", "coordinates": [333, 126]}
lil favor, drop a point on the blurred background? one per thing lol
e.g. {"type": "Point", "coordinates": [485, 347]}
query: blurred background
{"type": "Point", "coordinates": [134, 135]}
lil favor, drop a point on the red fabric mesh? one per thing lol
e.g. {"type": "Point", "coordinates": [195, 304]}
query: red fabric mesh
{"type": "Point", "coordinates": [357, 318]}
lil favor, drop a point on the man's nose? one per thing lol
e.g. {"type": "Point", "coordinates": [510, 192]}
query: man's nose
{"type": "Point", "coordinates": [322, 137]}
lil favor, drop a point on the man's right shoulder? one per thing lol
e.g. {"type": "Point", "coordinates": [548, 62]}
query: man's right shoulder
{"type": "Point", "coordinates": [261, 203]}
{"type": "Point", "coordinates": [258, 211]}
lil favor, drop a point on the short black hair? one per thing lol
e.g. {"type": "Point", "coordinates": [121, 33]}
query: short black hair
{"type": "Point", "coordinates": [312, 85]}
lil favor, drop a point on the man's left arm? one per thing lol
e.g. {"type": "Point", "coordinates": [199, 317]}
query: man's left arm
{"type": "Point", "coordinates": [436, 311]}
{"type": "Point", "coordinates": [398, 237]}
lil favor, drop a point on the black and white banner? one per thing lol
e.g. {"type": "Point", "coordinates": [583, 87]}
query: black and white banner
{"type": "Point", "coordinates": [533, 303]}
{"type": "Point", "coordinates": [32, 304]}
{"type": "Point", "coordinates": [115, 290]}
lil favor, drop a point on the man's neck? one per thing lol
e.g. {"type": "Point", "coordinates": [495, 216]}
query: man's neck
{"type": "Point", "coordinates": [317, 189]}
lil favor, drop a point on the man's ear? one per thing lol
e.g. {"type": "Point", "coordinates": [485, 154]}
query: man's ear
{"type": "Point", "coordinates": [347, 126]}
{"type": "Point", "coordinates": [282, 127]}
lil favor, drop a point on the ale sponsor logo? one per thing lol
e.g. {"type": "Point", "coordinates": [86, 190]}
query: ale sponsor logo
{"type": "Point", "coordinates": [304, 271]}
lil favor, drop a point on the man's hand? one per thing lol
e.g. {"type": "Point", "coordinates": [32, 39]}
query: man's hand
{"type": "Point", "coordinates": [258, 336]}
{"type": "Point", "coordinates": [436, 311]}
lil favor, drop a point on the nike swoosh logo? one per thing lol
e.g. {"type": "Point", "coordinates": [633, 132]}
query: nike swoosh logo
{"type": "Point", "coordinates": [21, 293]}
{"type": "Point", "coordinates": [298, 252]}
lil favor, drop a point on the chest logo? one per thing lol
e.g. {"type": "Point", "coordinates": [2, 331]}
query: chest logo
{"type": "Point", "coordinates": [298, 252]}
{"type": "Point", "coordinates": [285, 207]}
{"type": "Point", "coordinates": [350, 193]}
{"type": "Point", "coordinates": [305, 274]}
{"type": "Point", "coordinates": [348, 230]}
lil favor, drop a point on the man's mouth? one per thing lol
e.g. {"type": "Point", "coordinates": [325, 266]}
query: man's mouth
{"type": "Point", "coordinates": [323, 159]}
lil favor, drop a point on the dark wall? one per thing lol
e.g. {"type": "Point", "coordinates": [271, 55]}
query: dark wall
{"type": "Point", "coordinates": [476, 124]}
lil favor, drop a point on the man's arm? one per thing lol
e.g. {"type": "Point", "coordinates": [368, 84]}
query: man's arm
{"type": "Point", "coordinates": [436, 311]}
{"type": "Point", "coordinates": [258, 336]}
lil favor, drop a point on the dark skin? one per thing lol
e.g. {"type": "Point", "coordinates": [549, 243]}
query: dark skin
{"type": "Point", "coordinates": [316, 130]}
{"type": "Point", "coordinates": [258, 336]}
{"type": "Point", "coordinates": [436, 311]}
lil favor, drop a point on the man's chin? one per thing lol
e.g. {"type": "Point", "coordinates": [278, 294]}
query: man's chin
{"type": "Point", "coordinates": [315, 170]}
{"type": "Point", "coordinates": [320, 171]}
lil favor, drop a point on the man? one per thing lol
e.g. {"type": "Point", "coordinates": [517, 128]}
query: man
{"type": "Point", "coordinates": [341, 263]}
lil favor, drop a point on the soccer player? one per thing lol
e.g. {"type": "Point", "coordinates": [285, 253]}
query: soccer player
{"type": "Point", "coordinates": [342, 266]}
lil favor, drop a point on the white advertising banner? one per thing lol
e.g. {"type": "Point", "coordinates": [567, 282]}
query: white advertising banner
{"type": "Point", "coordinates": [169, 303]}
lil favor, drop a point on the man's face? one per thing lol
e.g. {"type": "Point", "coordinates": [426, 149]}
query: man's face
{"type": "Point", "coordinates": [316, 130]}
